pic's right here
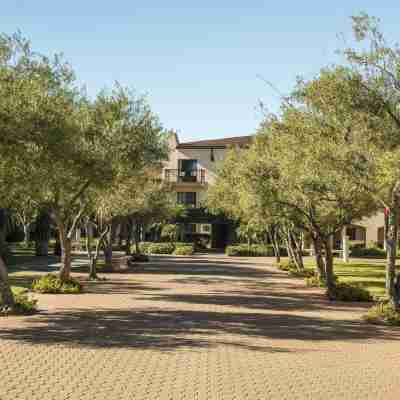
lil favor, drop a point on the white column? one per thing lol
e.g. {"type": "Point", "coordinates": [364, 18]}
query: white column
{"type": "Point", "coordinates": [345, 246]}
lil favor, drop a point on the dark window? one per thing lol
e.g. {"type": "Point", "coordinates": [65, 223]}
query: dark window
{"type": "Point", "coordinates": [187, 198]}
{"type": "Point", "coordinates": [212, 157]}
{"type": "Point", "coordinates": [190, 228]}
{"type": "Point", "coordinates": [188, 170]}
{"type": "Point", "coordinates": [351, 233]}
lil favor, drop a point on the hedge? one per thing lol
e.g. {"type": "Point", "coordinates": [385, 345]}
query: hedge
{"type": "Point", "coordinates": [374, 252]}
{"type": "Point", "coordinates": [254, 250]}
{"type": "Point", "coordinates": [186, 250]}
{"type": "Point", "coordinates": [178, 248]}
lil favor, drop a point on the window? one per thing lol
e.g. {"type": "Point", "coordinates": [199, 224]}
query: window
{"type": "Point", "coordinates": [187, 198]}
{"type": "Point", "coordinates": [351, 233]}
{"type": "Point", "coordinates": [188, 170]}
{"type": "Point", "coordinates": [190, 228]}
{"type": "Point", "coordinates": [212, 156]}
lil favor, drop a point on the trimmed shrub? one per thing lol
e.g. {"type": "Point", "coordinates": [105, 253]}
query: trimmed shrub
{"type": "Point", "coordinates": [160, 248]}
{"type": "Point", "coordinates": [144, 247]}
{"type": "Point", "coordinates": [24, 305]}
{"type": "Point", "coordinates": [51, 283]}
{"type": "Point", "coordinates": [382, 313]}
{"type": "Point", "coordinates": [291, 268]}
{"type": "Point", "coordinates": [254, 250]}
{"type": "Point", "coordinates": [346, 292]}
{"type": "Point", "coordinates": [306, 273]}
{"type": "Point", "coordinates": [183, 244]}
{"type": "Point", "coordinates": [286, 266]}
{"type": "Point", "coordinates": [373, 252]}
{"type": "Point", "coordinates": [184, 250]}
{"type": "Point", "coordinates": [314, 281]}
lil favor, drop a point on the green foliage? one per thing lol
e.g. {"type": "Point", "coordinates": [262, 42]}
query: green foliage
{"type": "Point", "coordinates": [169, 232]}
{"type": "Point", "coordinates": [351, 292]}
{"type": "Point", "coordinates": [184, 250]}
{"type": "Point", "coordinates": [24, 305]}
{"type": "Point", "coordinates": [183, 244]}
{"type": "Point", "coordinates": [314, 281]}
{"type": "Point", "coordinates": [254, 250]}
{"type": "Point", "coordinates": [144, 247]}
{"type": "Point", "coordinates": [160, 248]}
{"type": "Point", "coordinates": [51, 283]}
{"type": "Point", "coordinates": [383, 313]}
{"type": "Point", "coordinates": [291, 268]}
{"type": "Point", "coordinates": [371, 252]}
{"type": "Point", "coordinates": [286, 266]}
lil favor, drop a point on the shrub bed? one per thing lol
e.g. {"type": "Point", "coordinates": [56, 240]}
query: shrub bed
{"type": "Point", "coordinates": [51, 283]}
{"type": "Point", "coordinates": [143, 246]}
{"type": "Point", "coordinates": [160, 248]}
{"type": "Point", "coordinates": [291, 268]}
{"type": "Point", "coordinates": [24, 305]}
{"type": "Point", "coordinates": [372, 252]}
{"type": "Point", "coordinates": [184, 244]}
{"type": "Point", "coordinates": [186, 250]}
{"type": "Point", "coordinates": [347, 292]}
{"type": "Point", "coordinates": [178, 248]}
{"type": "Point", "coordinates": [254, 250]}
{"type": "Point", "coordinates": [383, 313]}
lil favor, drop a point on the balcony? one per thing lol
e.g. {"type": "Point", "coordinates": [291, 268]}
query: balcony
{"type": "Point", "coordinates": [185, 176]}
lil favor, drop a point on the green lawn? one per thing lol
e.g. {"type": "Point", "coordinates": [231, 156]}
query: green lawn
{"type": "Point", "coordinates": [370, 274]}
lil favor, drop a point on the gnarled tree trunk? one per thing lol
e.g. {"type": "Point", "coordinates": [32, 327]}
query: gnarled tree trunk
{"type": "Point", "coordinates": [66, 258]}
{"type": "Point", "coordinates": [317, 244]}
{"type": "Point", "coordinates": [6, 295]}
{"type": "Point", "coordinates": [295, 249]}
{"type": "Point", "coordinates": [137, 238]}
{"type": "Point", "coordinates": [274, 239]}
{"type": "Point", "coordinates": [392, 288]}
{"type": "Point", "coordinates": [329, 276]}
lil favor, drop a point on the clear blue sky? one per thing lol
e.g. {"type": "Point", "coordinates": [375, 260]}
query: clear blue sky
{"type": "Point", "coordinates": [198, 61]}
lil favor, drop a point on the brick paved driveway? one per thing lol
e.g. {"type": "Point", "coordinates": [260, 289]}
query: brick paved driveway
{"type": "Point", "coordinates": [206, 327]}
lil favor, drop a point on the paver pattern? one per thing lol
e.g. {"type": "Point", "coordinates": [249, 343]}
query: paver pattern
{"type": "Point", "coordinates": [191, 328]}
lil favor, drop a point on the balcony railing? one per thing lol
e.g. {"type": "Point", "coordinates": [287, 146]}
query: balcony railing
{"type": "Point", "coordinates": [189, 176]}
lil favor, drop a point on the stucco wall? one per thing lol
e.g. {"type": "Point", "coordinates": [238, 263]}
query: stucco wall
{"type": "Point", "coordinates": [372, 224]}
{"type": "Point", "coordinates": [203, 156]}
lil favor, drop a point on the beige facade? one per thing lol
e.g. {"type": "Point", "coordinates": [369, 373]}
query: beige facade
{"type": "Point", "coordinates": [374, 229]}
{"type": "Point", "coordinates": [206, 155]}
{"type": "Point", "coordinates": [192, 168]}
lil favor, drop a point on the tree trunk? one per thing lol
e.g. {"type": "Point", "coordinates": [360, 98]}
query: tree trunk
{"type": "Point", "coordinates": [330, 280]}
{"type": "Point", "coordinates": [27, 236]}
{"type": "Point", "coordinates": [108, 252]}
{"type": "Point", "coordinates": [319, 261]}
{"type": "Point", "coordinates": [92, 267]}
{"type": "Point", "coordinates": [4, 253]}
{"type": "Point", "coordinates": [42, 248]}
{"type": "Point", "coordinates": [137, 238]}
{"type": "Point", "coordinates": [273, 237]}
{"type": "Point", "coordinates": [66, 254]}
{"type": "Point", "coordinates": [6, 295]}
{"type": "Point", "coordinates": [391, 251]}
{"type": "Point", "coordinates": [295, 251]}
{"type": "Point", "coordinates": [129, 234]}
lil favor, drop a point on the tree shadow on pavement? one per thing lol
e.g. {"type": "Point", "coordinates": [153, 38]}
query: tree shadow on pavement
{"type": "Point", "coordinates": [172, 329]}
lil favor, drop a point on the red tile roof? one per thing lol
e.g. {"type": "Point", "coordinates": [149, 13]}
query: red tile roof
{"type": "Point", "coordinates": [217, 143]}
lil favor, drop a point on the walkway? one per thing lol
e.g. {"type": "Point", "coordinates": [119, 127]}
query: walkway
{"type": "Point", "coordinates": [206, 327]}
